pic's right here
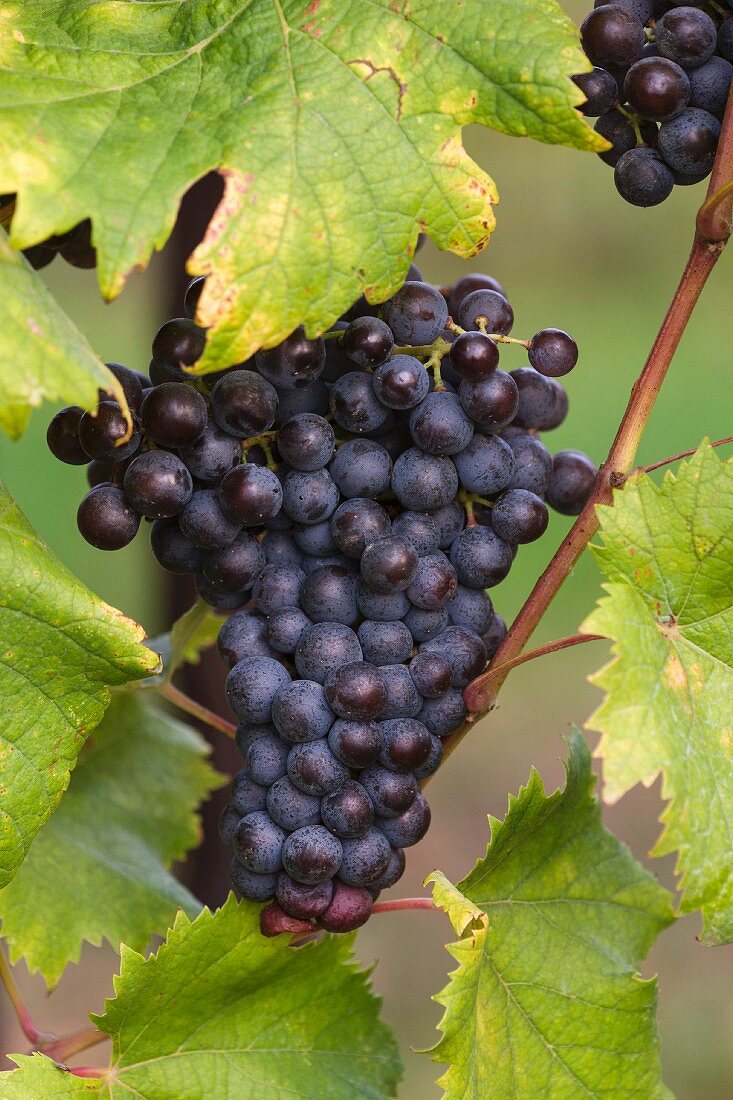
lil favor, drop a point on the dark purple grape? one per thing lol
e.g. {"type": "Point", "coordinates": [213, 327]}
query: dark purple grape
{"type": "Point", "coordinates": [250, 495]}
{"type": "Point", "coordinates": [491, 402]}
{"type": "Point", "coordinates": [290, 808]}
{"type": "Point", "coordinates": [306, 442]}
{"type": "Point", "coordinates": [348, 812]}
{"type": "Point", "coordinates": [488, 310]}
{"type": "Point", "coordinates": [267, 759]}
{"type": "Point", "coordinates": [462, 649]}
{"type": "Point", "coordinates": [553, 352]}
{"type": "Point", "coordinates": [234, 567]}
{"type": "Point", "coordinates": [100, 433]}
{"type": "Point", "coordinates": [690, 141]}
{"type": "Point", "coordinates": [423, 482]}
{"type": "Point", "coordinates": [474, 356]}
{"type": "Point", "coordinates": [401, 382]}
{"type": "Point", "coordinates": [443, 716]}
{"type": "Point", "coordinates": [324, 647]}
{"type": "Point", "coordinates": [177, 344]}
{"type": "Point", "coordinates": [300, 900]}
{"type": "Point", "coordinates": [172, 549]}
{"type": "Point", "coordinates": [617, 129]}
{"type": "Point", "coordinates": [573, 478]}
{"type": "Point", "coordinates": [403, 700]}
{"type": "Point", "coordinates": [686, 36]}
{"type": "Point", "coordinates": [301, 713]}
{"type": "Point", "coordinates": [258, 843]}
{"type": "Point", "coordinates": [394, 871]}
{"type": "Point", "coordinates": [385, 643]}
{"type": "Point", "coordinates": [243, 403]}
{"type": "Point", "coordinates": [367, 341]}
{"type": "Point", "coordinates": [211, 455]}
{"type": "Point", "coordinates": [247, 796]}
{"type": "Point", "coordinates": [710, 84]}
{"type": "Point", "coordinates": [389, 564]}
{"type": "Point", "coordinates": [312, 855]}
{"type": "Point", "coordinates": [405, 744]}
{"type": "Point", "coordinates": [314, 769]}
{"type": "Point", "coordinates": [518, 516]}
{"type": "Point", "coordinates": [391, 792]}
{"type": "Point", "coordinates": [431, 674]}
{"type": "Point", "coordinates": [311, 497]}
{"type": "Point", "coordinates": [410, 827]}
{"type": "Point", "coordinates": [364, 858]}
{"type": "Point", "coordinates": [348, 909]}
{"type": "Point", "coordinates": [480, 558]}
{"type": "Point", "coordinates": [425, 624]}
{"type": "Point", "coordinates": [250, 885]}
{"type": "Point", "coordinates": [252, 685]}
{"type": "Point", "coordinates": [419, 529]}
{"type": "Point", "coordinates": [229, 819]}
{"type": "Point", "coordinates": [486, 466]}
{"type": "Point", "coordinates": [472, 608]}
{"type": "Point", "coordinates": [643, 178]}
{"type": "Point", "coordinates": [355, 744]}
{"type": "Point", "coordinates": [218, 598]}
{"type": "Point", "coordinates": [612, 36]}
{"type": "Point", "coordinates": [105, 518]}
{"type": "Point", "coordinates": [439, 424]}
{"type": "Point", "coordinates": [417, 314]}
{"type": "Point", "coordinates": [244, 635]}
{"type": "Point", "coordinates": [600, 91]}
{"type": "Point", "coordinates": [532, 461]}
{"type": "Point", "coordinates": [285, 628]}
{"type": "Point", "coordinates": [356, 691]}
{"type": "Point", "coordinates": [355, 406]}
{"type": "Point", "coordinates": [494, 636]}
{"type": "Point", "coordinates": [173, 414]}
{"type": "Point", "coordinates": [466, 285]}
{"type": "Point", "coordinates": [328, 595]}
{"type": "Point", "coordinates": [657, 89]}
{"type": "Point", "coordinates": [204, 523]}
{"type": "Point", "coordinates": [62, 437]}
{"type": "Point", "coordinates": [294, 363]}
{"type": "Point", "coordinates": [434, 583]}
{"type": "Point", "coordinates": [356, 523]}
{"type": "Point", "coordinates": [158, 485]}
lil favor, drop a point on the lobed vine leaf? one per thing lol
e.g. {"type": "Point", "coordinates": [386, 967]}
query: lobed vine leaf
{"type": "Point", "coordinates": [220, 1011]}
{"type": "Point", "coordinates": [42, 355]}
{"type": "Point", "coordinates": [336, 127]}
{"type": "Point", "coordinates": [61, 647]}
{"type": "Point", "coordinates": [546, 999]}
{"type": "Point", "coordinates": [668, 556]}
{"type": "Point", "coordinates": [38, 1076]}
{"type": "Point", "coordinates": [99, 868]}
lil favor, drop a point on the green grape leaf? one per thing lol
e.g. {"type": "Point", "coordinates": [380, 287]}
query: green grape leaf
{"type": "Point", "coordinates": [336, 128]}
{"type": "Point", "coordinates": [61, 647]}
{"type": "Point", "coordinates": [195, 631]}
{"type": "Point", "coordinates": [42, 354]}
{"type": "Point", "coordinates": [39, 1078]}
{"type": "Point", "coordinates": [462, 913]}
{"type": "Point", "coordinates": [668, 556]}
{"type": "Point", "coordinates": [220, 1011]}
{"type": "Point", "coordinates": [546, 999]}
{"type": "Point", "coordinates": [98, 868]}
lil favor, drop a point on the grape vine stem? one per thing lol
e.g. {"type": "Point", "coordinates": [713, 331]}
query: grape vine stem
{"type": "Point", "coordinates": [405, 904]}
{"type": "Point", "coordinates": [185, 703]}
{"type": "Point", "coordinates": [32, 1033]}
{"type": "Point", "coordinates": [683, 454]}
{"type": "Point", "coordinates": [712, 231]}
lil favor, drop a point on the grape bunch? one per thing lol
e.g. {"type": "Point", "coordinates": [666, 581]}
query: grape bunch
{"type": "Point", "coordinates": [660, 85]}
{"type": "Point", "coordinates": [347, 501]}
{"type": "Point", "coordinates": [75, 246]}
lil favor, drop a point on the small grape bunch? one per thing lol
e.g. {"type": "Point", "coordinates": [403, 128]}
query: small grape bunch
{"type": "Point", "coordinates": [659, 87]}
{"type": "Point", "coordinates": [346, 502]}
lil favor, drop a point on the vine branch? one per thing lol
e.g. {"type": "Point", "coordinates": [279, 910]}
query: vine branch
{"type": "Point", "coordinates": [713, 228]}
{"type": "Point", "coordinates": [33, 1034]}
{"type": "Point", "coordinates": [185, 703]}
{"type": "Point", "coordinates": [682, 454]}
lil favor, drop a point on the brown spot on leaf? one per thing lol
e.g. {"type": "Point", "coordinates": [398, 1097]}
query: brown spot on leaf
{"type": "Point", "coordinates": [373, 69]}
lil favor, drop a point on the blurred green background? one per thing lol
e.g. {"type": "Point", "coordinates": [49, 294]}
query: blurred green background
{"type": "Point", "coordinates": [572, 255]}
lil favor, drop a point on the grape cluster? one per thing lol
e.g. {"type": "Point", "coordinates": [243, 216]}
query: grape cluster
{"type": "Point", "coordinates": [660, 85]}
{"type": "Point", "coordinates": [347, 500]}
{"type": "Point", "coordinates": [75, 246]}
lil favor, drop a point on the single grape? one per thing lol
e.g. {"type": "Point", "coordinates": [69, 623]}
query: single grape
{"type": "Point", "coordinates": [690, 141]}
{"type": "Point", "coordinates": [290, 808]}
{"type": "Point", "coordinates": [487, 309]}
{"type": "Point", "coordinates": [248, 732]}
{"type": "Point", "coordinates": [451, 519]}
{"type": "Point", "coordinates": [229, 819]}
{"type": "Point", "coordinates": [356, 523]}
{"type": "Point", "coordinates": [486, 465]}
{"type": "Point", "coordinates": [462, 649]}
{"type": "Point", "coordinates": [431, 674]}
{"type": "Point", "coordinates": [389, 564]}
{"type": "Point", "coordinates": [538, 397]}
{"type": "Point", "coordinates": [443, 716]}
{"type": "Point", "coordinates": [315, 539]}
{"type": "Point", "coordinates": [173, 414]}
{"type": "Point", "coordinates": [100, 433]}
{"type": "Point", "coordinates": [355, 744]}
{"type": "Point", "coordinates": [367, 341]}
{"type": "Point", "coordinates": [403, 700]}
{"type": "Point", "coordinates": [364, 858]}
{"type": "Point", "coordinates": [710, 84]}
{"type": "Point", "coordinates": [204, 523]}
{"type": "Point", "coordinates": [480, 558]}
{"type": "Point", "coordinates": [324, 647]}
{"type": "Point", "coordinates": [276, 587]}
{"type": "Point", "coordinates": [439, 425]}
{"type": "Point", "coordinates": [309, 497]}
{"type": "Point", "coordinates": [306, 442]}
{"type": "Point", "coordinates": [423, 482]}
{"type": "Point", "coordinates": [491, 402]}
{"type": "Point", "coordinates": [243, 403]}
{"type": "Point", "coordinates": [348, 812]}
{"type": "Point", "coordinates": [519, 516]}
{"type": "Point", "coordinates": [642, 178]}
{"type": "Point", "coordinates": [158, 485]}
{"type": "Point", "coordinates": [532, 461]}
{"type": "Point", "coordinates": [258, 843]}
{"type": "Point", "coordinates": [348, 909]}
{"type": "Point", "coordinates": [247, 796]}
{"type": "Point", "coordinates": [395, 868]}
{"type": "Point", "coordinates": [434, 583]}
{"type": "Point", "coordinates": [419, 529]}
{"type": "Point", "coordinates": [382, 607]}
{"type": "Point", "coordinates": [553, 352]}
{"type": "Point", "coordinates": [101, 470]}
{"type": "Point", "coordinates": [405, 744]}
{"type": "Point", "coordinates": [267, 759]}
{"type": "Point", "coordinates": [192, 295]}
{"type": "Point", "coordinates": [131, 382]}
{"type": "Point", "coordinates": [300, 711]}
{"type": "Point", "coordinates": [105, 518]}
{"type": "Point", "coordinates": [401, 382]}
{"type": "Point", "coordinates": [385, 643]}
{"type": "Point", "coordinates": [356, 691]}
{"type": "Point", "coordinates": [177, 344]}
{"type": "Point", "coordinates": [391, 792]}
{"type": "Point", "coordinates": [244, 635]}
{"type": "Point", "coordinates": [250, 495]}
{"type": "Point", "coordinates": [235, 567]}
{"type": "Point", "coordinates": [425, 624]}
{"type": "Point", "coordinates": [328, 595]}
{"type": "Point", "coordinates": [361, 468]}
{"type": "Point", "coordinates": [612, 36]}
{"type": "Point", "coordinates": [494, 636]}
{"type": "Point", "coordinates": [354, 405]}
{"type": "Point", "coordinates": [294, 363]}
{"type": "Point", "coordinates": [725, 39]}
{"type": "Point", "coordinates": [172, 549]}
{"type": "Point", "coordinates": [417, 314]}
{"type": "Point", "coordinates": [600, 91]}
{"type": "Point", "coordinates": [274, 921]}
{"type": "Point", "coordinates": [410, 827]}
{"type": "Point", "coordinates": [219, 598]}
{"type": "Point", "coordinates": [62, 437]}
{"type": "Point", "coordinates": [657, 88]}
{"type": "Point", "coordinates": [433, 762]}
{"type": "Point", "coordinates": [474, 356]}
{"type": "Point", "coordinates": [285, 629]}
{"type": "Point", "coordinates": [300, 900]}
{"type": "Point", "coordinates": [280, 548]}
{"type": "Point", "coordinates": [472, 608]}
{"type": "Point", "coordinates": [211, 455]}
{"type": "Point", "coordinates": [573, 478]}
{"type": "Point", "coordinates": [252, 886]}
{"type": "Point", "coordinates": [252, 685]}
{"type": "Point", "coordinates": [686, 36]}
{"type": "Point", "coordinates": [314, 769]}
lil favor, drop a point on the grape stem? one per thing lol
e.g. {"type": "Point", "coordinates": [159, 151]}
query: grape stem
{"type": "Point", "coordinates": [185, 703]}
{"type": "Point", "coordinates": [404, 903]}
{"type": "Point", "coordinates": [63, 1049]}
{"type": "Point", "coordinates": [33, 1034]}
{"type": "Point", "coordinates": [683, 454]}
{"type": "Point", "coordinates": [530, 655]}
{"type": "Point", "coordinates": [712, 231]}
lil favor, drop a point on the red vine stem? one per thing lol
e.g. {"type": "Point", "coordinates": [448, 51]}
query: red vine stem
{"type": "Point", "coordinates": [683, 454]}
{"type": "Point", "coordinates": [63, 1049]}
{"type": "Point", "coordinates": [33, 1034]}
{"type": "Point", "coordinates": [406, 904]}
{"type": "Point", "coordinates": [196, 710]}
{"type": "Point", "coordinates": [713, 227]}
